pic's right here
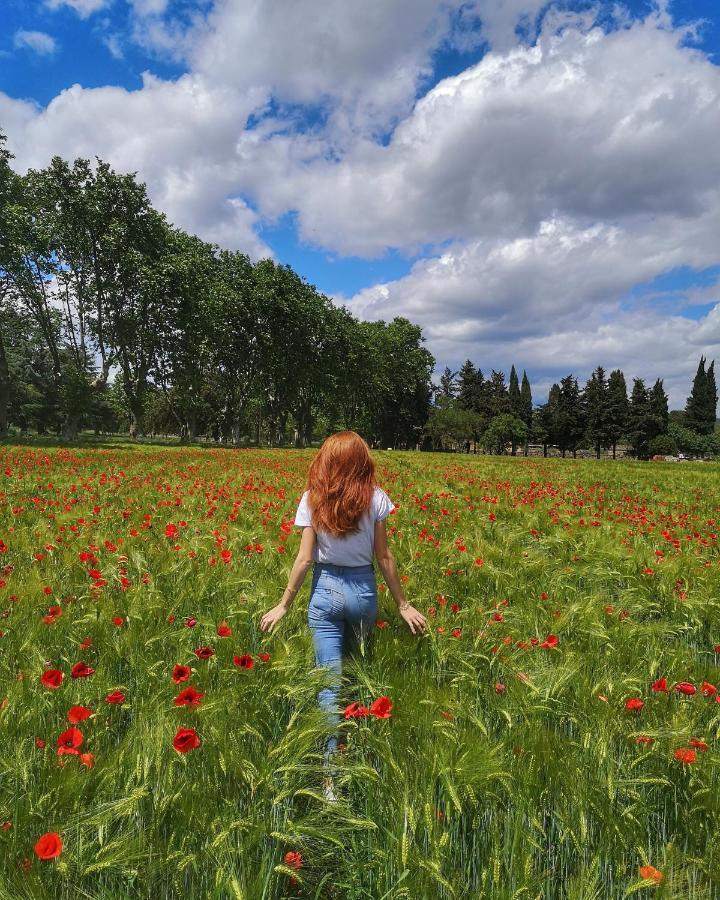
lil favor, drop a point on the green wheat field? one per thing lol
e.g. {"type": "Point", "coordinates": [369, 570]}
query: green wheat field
{"type": "Point", "coordinates": [554, 733]}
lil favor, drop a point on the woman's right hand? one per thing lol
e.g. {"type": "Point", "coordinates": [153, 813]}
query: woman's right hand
{"type": "Point", "coordinates": [415, 619]}
{"type": "Point", "coordinates": [272, 617]}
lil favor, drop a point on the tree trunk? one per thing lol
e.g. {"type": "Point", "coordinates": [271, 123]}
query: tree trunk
{"type": "Point", "coordinates": [70, 428]}
{"type": "Point", "coordinates": [614, 446]}
{"type": "Point", "coordinates": [545, 446]}
{"type": "Point", "coordinates": [4, 389]}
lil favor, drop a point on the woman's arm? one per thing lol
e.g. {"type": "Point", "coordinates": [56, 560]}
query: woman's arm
{"type": "Point", "coordinates": [303, 561]}
{"type": "Point", "coordinates": [386, 561]}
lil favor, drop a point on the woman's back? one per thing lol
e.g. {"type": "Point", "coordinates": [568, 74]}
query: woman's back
{"type": "Point", "coordinates": [355, 549]}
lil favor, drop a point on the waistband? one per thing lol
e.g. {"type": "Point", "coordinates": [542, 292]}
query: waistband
{"type": "Point", "coordinates": [343, 570]}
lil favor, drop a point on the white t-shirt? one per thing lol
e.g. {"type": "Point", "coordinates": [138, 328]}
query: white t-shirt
{"type": "Point", "coordinates": [351, 549]}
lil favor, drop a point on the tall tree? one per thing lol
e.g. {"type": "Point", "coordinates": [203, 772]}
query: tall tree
{"type": "Point", "coordinates": [711, 393]}
{"type": "Point", "coordinates": [658, 415]}
{"type": "Point", "coordinates": [548, 424]}
{"type": "Point", "coordinates": [698, 403]}
{"type": "Point", "coordinates": [617, 408]}
{"type": "Point", "coordinates": [570, 416]}
{"type": "Point", "coordinates": [526, 406]}
{"type": "Point", "coordinates": [514, 403]}
{"type": "Point", "coordinates": [639, 424]}
{"type": "Point", "coordinates": [8, 187]}
{"type": "Point", "coordinates": [596, 409]}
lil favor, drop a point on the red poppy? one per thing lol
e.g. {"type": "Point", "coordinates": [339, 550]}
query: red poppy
{"type": "Point", "coordinates": [500, 687]}
{"type": "Point", "coordinates": [550, 642]}
{"type": "Point", "coordinates": [644, 739]}
{"type": "Point", "coordinates": [87, 759]}
{"type": "Point", "coordinates": [381, 708]}
{"type": "Point", "coordinates": [244, 661]}
{"type": "Point", "coordinates": [263, 657]}
{"type": "Point", "coordinates": [294, 859]}
{"type": "Point", "coordinates": [650, 873]}
{"type": "Point", "coordinates": [635, 704]}
{"type": "Point", "coordinates": [685, 756]}
{"type": "Point", "coordinates": [356, 711]}
{"type": "Point", "coordinates": [708, 689]}
{"type": "Point", "coordinates": [69, 741]}
{"type": "Point", "coordinates": [190, 622]}
{"type": "Point", "coordinates": [186, 739]}
{"type": "Point", "coordinates": [659, 685]}
{"type": "Point", "coordinates": [224, 630]}
{"type": "Point", "coordinates": [189, 697]}
{"type": "Point", "coordinates": [180, 673]}
{"type": "Point", "coordinates": [48, 845]}
{"type": "Point", "coordinates": [52, 678]}
{"type": "Point", "coordinates": [81, 670]}
{"type": "Point", "coordinates": [697, 744]}
{"type": "Point", "coordinates": [118, 620]}
{"type": "Point", "coordinates": [78, 714]}
{"type": "Point", "coordinates": [116, 697]}
{"type": "Point", "coordinates": [40, 743]}
{"type": "Point", "coordinates": [171, 530]}
{"type": "Point", "coordinates": [204, 652]}
{"type": "Point", "coordinates": [456, 632]}
{"type": "Point", "coordinates": [684, 687]}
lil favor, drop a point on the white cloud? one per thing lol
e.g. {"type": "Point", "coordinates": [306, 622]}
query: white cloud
{"type": "Point", "coordinates": [114, 44]}
{"type": "Point", "coordinates": [83, 8]}
{"type": "Point", "coordinates": [37, 41]}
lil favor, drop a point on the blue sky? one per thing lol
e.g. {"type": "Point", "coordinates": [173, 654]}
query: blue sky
{"type": "Point", "coordinates": [387, 266]}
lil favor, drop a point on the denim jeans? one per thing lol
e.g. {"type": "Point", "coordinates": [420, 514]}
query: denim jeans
{"type": "Point", "coordinates": [341, 615]}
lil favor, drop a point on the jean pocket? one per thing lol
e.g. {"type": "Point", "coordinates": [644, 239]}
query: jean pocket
{"type": "Point", "coordinates": [325, 603]}
{"type": "Point", "coordinates": [368, 601]}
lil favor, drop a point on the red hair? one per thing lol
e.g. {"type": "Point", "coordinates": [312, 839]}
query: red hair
{"type": "Point", "coordinates": [341, 481]}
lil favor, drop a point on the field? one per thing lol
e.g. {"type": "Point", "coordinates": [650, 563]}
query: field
{"type": "Point", "coordinates": [553, 735]}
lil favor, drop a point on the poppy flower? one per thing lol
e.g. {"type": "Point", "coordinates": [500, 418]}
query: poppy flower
{"type": "Point", "coordinates": [180, 673]}
{"type": "Point", "coordinates": [78, 714]}
{"type": "Point", "coordinates": [186, 739]}
{"type": "Point", "coordinates": [697, 744]}
{"type": "Point", "coordinates": [52, 678]}
{"type": "Point", "coordinates": [189, 697]}
{"type": "Point", "coordinates": [204, 652]}
{"type": "Point", "coordinates": [224, 630]}
{"type": "Point", "coordinates": [263, 657]}
{"type": "Point", "coordinates": [456, 632]}
{"type": "Point", "coordinates": [116, 697]}
{"type": "Point", "coordinates": [69, 741]}
{"type": "Point", "coordinates": [48, 845]}
{"type": "Point", "coordinates": [118, 620]}
{"type": "Point", "coordinates": [244, 662]}
{"type": "Point", "coordinates": [635, 704]}
{"type": "Point", "coordinates": [190, 622]}
{"type": "Point", "coordinates": [500, 687]}
{"type": "Point", "coordinates": [40, 743]}
{"type": "Point", "coordinates": [356, 711]}
{"type": "Point", "coordinates": [708, 689]}
{"type": "Point", "coordinates": [294, 859]}
{"type": "Point", "coordinates": [650, 873]}
{"type": "Point", "coordinates": [659, 685]}
{"type": "Point", "coordinates": [684, 687]}
{"type": "Point", "coordinates": [644, 739]}
{"type": "Point", "coordinates": [550, 642]}
{"type": "Point", "coordinates": [685, 756]}
{"type": "Point", "coordinates": [81, 670]}
{"type": "Point", "coordinates": [381, 708]}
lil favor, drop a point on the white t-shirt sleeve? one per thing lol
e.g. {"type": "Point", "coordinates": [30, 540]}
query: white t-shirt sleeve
{"type": "Point", "coordinates": [302, 516]}
{"type": "Point", "coordinates": [383, 505]}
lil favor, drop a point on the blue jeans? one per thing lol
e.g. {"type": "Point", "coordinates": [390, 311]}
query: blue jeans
{"type": "Point", "coordinates": [341, 615]}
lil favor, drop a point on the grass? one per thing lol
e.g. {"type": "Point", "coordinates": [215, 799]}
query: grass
{"type": "Point", "coordinates": [507, 769]}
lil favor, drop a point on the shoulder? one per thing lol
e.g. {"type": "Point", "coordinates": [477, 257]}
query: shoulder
{"type": "Point", "coordinates": [382, 504]}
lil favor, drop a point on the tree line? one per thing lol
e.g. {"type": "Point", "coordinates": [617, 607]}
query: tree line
{"type": "Point", "coordinates": [471, 410]}
{"type": "Point", "coordinates": [111, 318]}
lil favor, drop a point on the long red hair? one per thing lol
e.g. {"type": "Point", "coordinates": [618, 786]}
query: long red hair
{"type": "Point", "coordinates": [341, 481]}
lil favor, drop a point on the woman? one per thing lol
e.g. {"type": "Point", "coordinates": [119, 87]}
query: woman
{"type": "Point", "coordinates": [342, 514]}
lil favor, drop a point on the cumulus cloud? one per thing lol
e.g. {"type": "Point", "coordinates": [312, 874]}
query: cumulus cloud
{"type": "Point", "coordinates": [83, 8]}
{"type": "Point", "coordinates": [37, 41]}
{"type": "Point", "coordinates": [539, 185]}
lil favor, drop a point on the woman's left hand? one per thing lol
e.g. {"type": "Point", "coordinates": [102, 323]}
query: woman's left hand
{"type": "Point", "coordinates": [272, 617]}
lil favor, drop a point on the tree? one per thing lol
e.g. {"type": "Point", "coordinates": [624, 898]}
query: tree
{"type": "Point", "coordinates": [526, 406]}
{"type": "Point", "coordinates": [503, 430]}
{"type": "Point", "coordinates": [700, 401]}
{"type": "Point", "coordinates": [448, 389]}
{"type": "Point", "coordinates": [514, 402]}
{"type": "Point", "coordinates": [450, 426]}
{"type": "Point", "coordinates": [8, 188]}
{"type": "Point", "coordinates": [570, 416]}
{"type": "Point", "coordinates": [638, 419]}
{"type": "Point", "coordinates": [711, 393]}
{"type": "Point", "coordinates": [596, 410]}
{"type": "Point", "coordinates": [548, 423]}
{"type": "Point", "coordinates": [617, 408]}
{"type": "Point", "coordinates": [658, 416]}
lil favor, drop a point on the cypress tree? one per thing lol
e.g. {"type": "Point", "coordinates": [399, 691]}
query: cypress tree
{"type": "Point", "coordinates": [617, 408]}
{"type": "Point", "coordinates": [711, 398]}
{"type": "Point", "coordinates": [526, 406]}
{"type": "Point", "coordinates": [571, 415]}
{"type": "Point", "coordinates": [658, 415]}
{"type": "Point", "coordinates": [467, 377]}
{"type": "Point", "coordinates": [548, 419]}
{"type": "Point", "coordinates": [696, 408]}
{"type": "Point", "coordinates": [638, 419]}
{"type": "Point", "coordinates": [514, 401]}
{"type": "Point", "coordinates": [596, 408]}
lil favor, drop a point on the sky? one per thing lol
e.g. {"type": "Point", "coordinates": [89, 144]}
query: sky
{"type": "Point", "coordinates": [534, 183]}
